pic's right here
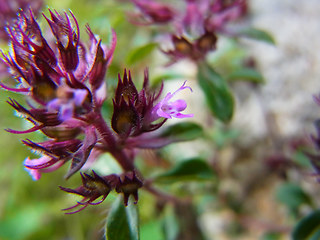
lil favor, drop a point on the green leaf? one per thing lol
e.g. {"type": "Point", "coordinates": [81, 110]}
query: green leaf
{"type": "Point", "coordinates": [140, 53]}
{"type": "Point", "coordinates": [22, 222]}
{"type": "Point", "coordinates": [222, 136]}
{"type": "Point", "coordinates": [122, 222]}
{"type": "Point", "coordinates": [246, 74]}
{"type": "Point", "coordinates": [217, 93]}
{"type": "Point", "coordinates": [194, 169]}
{"type": "Point", "coordinates": [271, 236]}
{"type": "Point", "coordinates": [184, 131]}
{"type": "Point", "coordinates": [170, 223]}
{"type": "Point", "coordinates": [302, 159]}
{"type": "Point", "coordinates": [258, 35]}
{"type": "Point", "coordinates": [292, 196]}
{"type": "Point", "coordinates": [152, 230]}
{"type": "Point", "coordinates": [308, 228]}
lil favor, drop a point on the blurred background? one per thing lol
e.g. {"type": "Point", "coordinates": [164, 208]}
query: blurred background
{"type": "Point", "coordinates": [255, 194]}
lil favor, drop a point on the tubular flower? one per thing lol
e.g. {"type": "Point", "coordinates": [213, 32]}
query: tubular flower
{"type": "Point", "coordinates": [42, 165]}
{"type": "Point", "coordinates": [167, 108]}
{"type": "Point", "coordinates": [55, 154]}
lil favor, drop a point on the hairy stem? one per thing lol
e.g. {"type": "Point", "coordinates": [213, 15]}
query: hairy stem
{"type": "Point", "coordinates": [110, 140]}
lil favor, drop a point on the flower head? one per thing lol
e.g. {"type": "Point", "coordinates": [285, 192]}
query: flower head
{"type": "Point", "coordinates": [63, 79]}
{"type": "Point", "coordinates": [61, 75]}
{"type": "Point", "coordinates": [132, 114]}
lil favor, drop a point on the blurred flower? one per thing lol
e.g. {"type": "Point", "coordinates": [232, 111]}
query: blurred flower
{"type": "Point", "coordinates": [152, 12]}
{"type": "Point", "coordinates": [195, 28]}
{"type": "Point", "coordinates": [9, 10]}
{"type": "Point", "coordinates": [224, 12]}
{"type": "Point", "coordinates": [195, 50]}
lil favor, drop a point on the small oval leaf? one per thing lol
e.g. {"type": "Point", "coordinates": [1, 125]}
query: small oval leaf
{"type": "Point", "coordinates": [122, 222]}
{"type": "Point", "coordinates": [194, 169]}
{"type": "Point", "coordinates": [140, 53]}
{"type": "Point", "coordinates": [258, 35]}
{"type": "Point", "coordinates": [217, 93]}
{"type": "Point", "coordinates": [292, 196]}
{"type": "Point", "coordinates": [185, 131]}
{"type": "Point", "coordinates": [246, 74]}
{"type": "Point", "coordinates": [308, 228]}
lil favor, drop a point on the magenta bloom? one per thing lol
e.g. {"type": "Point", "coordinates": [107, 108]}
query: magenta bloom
{"type": "Point", "coordinates": [42, 165]}
{"type": "Point", "coordinates": [169, 109]}
{"type": "Point", "coordinates": [152, 12]}
{"type": "Point", "coordinates": [195, 24]}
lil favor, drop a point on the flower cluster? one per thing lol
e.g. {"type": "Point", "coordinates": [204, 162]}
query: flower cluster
{"type": "Point", "coordinates": [195, 28]}
{"type": "Point", "coordinates": [64, 81]}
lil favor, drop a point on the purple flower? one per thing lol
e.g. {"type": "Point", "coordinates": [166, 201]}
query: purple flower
{"type": "Point", "coordinates": [167, 108]}
{"type": "Point", "coordinates": [43, 164]}
{"type": "Point", "coordinates": [132, 113]}
{"type": "Point", "coordinates": [196, 26]}
{"type": "Point", "coordinates": [152, 12]}
{"type": "Point", "coordinates": [224, 12]}
{"type": "Point", "coordinates": [137, 112]}
{"type": "Point", "coordinates": [67, 102]}
{"type": "Point", "coordinates": [61, 72]}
